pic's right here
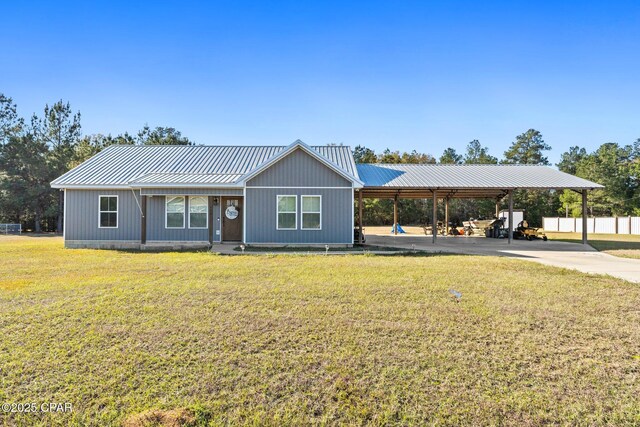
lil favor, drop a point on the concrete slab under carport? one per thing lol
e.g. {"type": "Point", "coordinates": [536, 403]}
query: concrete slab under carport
{"type": "Point", "coordinates": [574, 256]}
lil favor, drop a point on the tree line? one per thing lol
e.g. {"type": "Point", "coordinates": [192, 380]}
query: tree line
{"type": "Point", "coordinates": [36, 151]}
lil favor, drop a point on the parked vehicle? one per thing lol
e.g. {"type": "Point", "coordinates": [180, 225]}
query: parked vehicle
{"type": "Point", "coordinates": [523, 231]}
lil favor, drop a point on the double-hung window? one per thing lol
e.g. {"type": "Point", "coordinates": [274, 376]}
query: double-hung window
{"type": "Point", "coordinates": [174, 212]}
{"type": "Point", "coordinates": [198, 211]}
{"type": "Point", "coordinates": [311, 212]}
{"type": "Point", "coordinates": [287, 213]}
{"type": "Point", "coordinates": [108, 217]}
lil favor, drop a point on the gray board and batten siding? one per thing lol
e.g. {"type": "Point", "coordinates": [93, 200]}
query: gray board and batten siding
{"type": "Point", "coordinates": [298, 169]}
{"type": "Point", "coordinates": [299, 174]}
{"type": "Point", "coordinates": [336, 220]}
{"type": "Point", "coordinates": [82, 216]}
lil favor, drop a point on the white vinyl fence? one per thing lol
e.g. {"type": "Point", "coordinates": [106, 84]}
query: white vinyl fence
{"type": "Point", "coordinates": [608, 225]}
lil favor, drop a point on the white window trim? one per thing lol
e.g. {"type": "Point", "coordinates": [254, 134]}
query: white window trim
{"type": "Point", "coordinates": [302, 212]}
{"type": "Point", "coordinates": [206, 204]}
{"type": "Point", "coordinates": [166, 213]}
{"type": "Point", "coordinates": [295, 227]}
{"type": "Point", "coordinates": [100, 211]}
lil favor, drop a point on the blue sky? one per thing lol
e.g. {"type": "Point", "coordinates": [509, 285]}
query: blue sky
{"type": "Point", "coordinates": [404, 75]}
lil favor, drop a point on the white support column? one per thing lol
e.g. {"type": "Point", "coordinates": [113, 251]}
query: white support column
{"type": "Point", "coordinates": [584, 217]}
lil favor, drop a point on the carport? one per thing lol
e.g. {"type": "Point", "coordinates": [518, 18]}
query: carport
{"type": "Point", "coordinates": [446, 182]}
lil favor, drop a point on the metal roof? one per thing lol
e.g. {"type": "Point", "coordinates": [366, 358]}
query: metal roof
{"type": "Point", "coordinates": [498, 177]}
{"type": "Point", "coordinates": [185, 178]}
{"type": "Point", "coordinates": [119, 165]}
{"type": "Point", "coordinates": [206, 165]}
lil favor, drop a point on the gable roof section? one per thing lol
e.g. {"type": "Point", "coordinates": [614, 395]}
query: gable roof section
{"type": "Point", "coordinates": [407, 176]}
{"type": "Point", "coordinates": [299, 145]}
{"type": "Point", "coordinates": [129, 166]}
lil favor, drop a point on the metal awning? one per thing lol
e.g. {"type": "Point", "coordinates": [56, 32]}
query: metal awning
{"type": "Point", "coordinates": [463, 181]}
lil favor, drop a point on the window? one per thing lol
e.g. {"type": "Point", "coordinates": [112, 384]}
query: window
{"type": "Point", "coordinates": [198, 210]}
{"type": "Point", "coordinates": [108, 206]}
{"type": "Point", "coordinates": [311, 213]}
{"type": "Point", "coordinates": [287, 213]}
{"type": "Point", "coordinates": [175, 212]}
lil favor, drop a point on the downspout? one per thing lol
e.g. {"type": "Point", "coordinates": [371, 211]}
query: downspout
{"type": "Point", "coordinates": [137, 203]}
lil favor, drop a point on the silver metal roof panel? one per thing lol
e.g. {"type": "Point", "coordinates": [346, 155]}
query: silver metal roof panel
{"type": "Point", "coordinates": [118, 165]}
{"type": "Point", "coordinates": [469, 176]}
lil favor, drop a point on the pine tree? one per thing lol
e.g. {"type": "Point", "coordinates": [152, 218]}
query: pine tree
{"type": "Point", "coordinates": [527, 149]}
{"type": "Point", "coordinates": [60, 131]}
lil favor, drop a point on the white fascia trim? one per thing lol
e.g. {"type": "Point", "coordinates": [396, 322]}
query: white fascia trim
{"type": "Point", "coordinates": [139, 186]}
{"type": "Point", "coordinates": [64, 216]}
{"type": "Point", "coordinates": [313, 153]}
{"type": "Point", "coordinates": [185, 185]}
{"type": "Point", "coordinates": [91, 186]}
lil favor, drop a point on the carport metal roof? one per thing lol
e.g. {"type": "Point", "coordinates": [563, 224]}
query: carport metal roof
{"type": "Point", "coordinates": [462, 181]}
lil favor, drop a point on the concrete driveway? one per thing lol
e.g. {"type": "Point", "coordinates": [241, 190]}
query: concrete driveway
{"type": "Point", "coordinates": [559, 254]}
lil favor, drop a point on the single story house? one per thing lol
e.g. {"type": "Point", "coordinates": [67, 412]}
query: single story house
{"type": "Point", "coordinates": [141, 196]}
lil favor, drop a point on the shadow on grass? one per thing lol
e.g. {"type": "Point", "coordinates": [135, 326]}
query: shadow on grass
{"type": "Point", "coordinates": [31, 235]}
{"type": "Point", "coordinates": [385, 251]}
{"type": "Point", "coordinates": [319, 249]}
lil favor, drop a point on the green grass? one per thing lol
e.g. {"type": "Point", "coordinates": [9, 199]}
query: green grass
{"type": "Point", "coordinates": [300, 340]}
{"type": "Point", "coordinates": [623, 245]}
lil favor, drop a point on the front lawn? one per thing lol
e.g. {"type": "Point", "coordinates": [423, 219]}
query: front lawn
{"type": "Point", "coordinates": [299, 340]}
{"type": "Point", "coordinates": [622, 245]}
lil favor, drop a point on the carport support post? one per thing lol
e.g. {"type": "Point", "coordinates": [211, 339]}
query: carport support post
{"type": "Point", "coordinates": [434, 226]}
{"type": "Point", "coordinates": [360, 216]}
{"type": "Point", "coordinates": [446, 216]}
{"type": "Point", "coordinates": [395, 215]}
{"type": "Point", "coordinates": [510, 216]}
{"type": "Point", "coordinates": [584, 217]}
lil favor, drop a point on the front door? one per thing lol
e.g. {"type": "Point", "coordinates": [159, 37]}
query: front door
{"type": "Point", "coordinates": [232, 219]}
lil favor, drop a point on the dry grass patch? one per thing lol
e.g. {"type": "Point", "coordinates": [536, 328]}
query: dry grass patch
{"type": "Point", "coordinates": [625, 253]}
{"type": "Point", "coordinates": [299, 340]}
{"type": "Point", "coordinates": [610, 243]}
{"type": "Point", "coordinates": [161, 418]}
